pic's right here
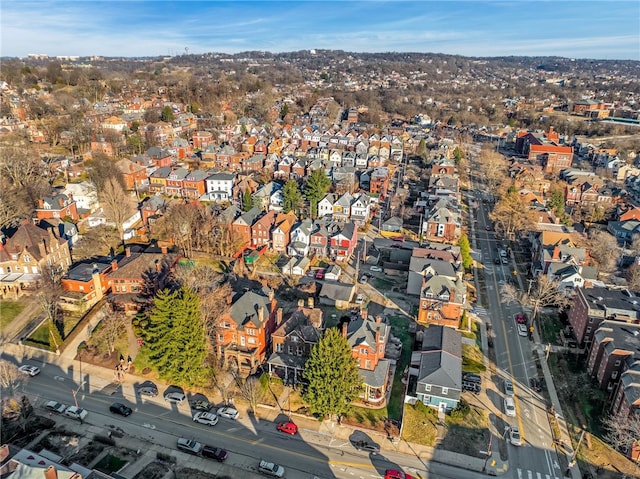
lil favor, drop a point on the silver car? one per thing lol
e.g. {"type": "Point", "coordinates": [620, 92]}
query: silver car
{"type": "Point", "coordinates": [174, 397]}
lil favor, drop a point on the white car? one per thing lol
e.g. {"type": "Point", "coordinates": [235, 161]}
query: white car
{"type": "Point", "coordinates": [508, 388]}
{"type": "Point", "coordinates": [514, 436]}
{"type": "Point", "coordinates": [76, 412]}
{"type": "Point", "coordinates": [376, 269]}
{"type": "Point", "coordinates": [175, 397]}
{"type": "Point", "coordinates": [208, 418]}
{"type": "Point", "coordinates": [30, 370]}
{"type": "Point", "coordinates": [522, 329]}
{"type": "Point", "coordinates": [359, 299]}
{"type": "Point", "coordinates": [509, 406]}
{"type": "Point", "coordinates": [228, 412]}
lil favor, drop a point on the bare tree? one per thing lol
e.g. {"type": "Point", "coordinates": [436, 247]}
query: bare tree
{"type": "Point", "coordinates": [494, 168]}
{"type": "Point", "coordinates": [10, 377]}
{"type": "Point", "coordinates": [604, 250]}
{"type": "Point", "coordinates": [117, 206]}
{"type": "Point", "coordinates": [511, 215]}
{"type": "Point", "coordinates": [225, 383]}
{"type": "Point", "coordinates": [633, 277]}
{"type": "Point", "coordinates": [252, 391]}
{"type": "Point", "coordinates": [96, 241]}
{"type": "Point", "coordinates": [622, 432]}
{"type": "Point", "coordinates": [544, 292]}
{"type": "Point", "coordinates": [47, 297]}
{"type": "Point", "coordinates": [109, 330]}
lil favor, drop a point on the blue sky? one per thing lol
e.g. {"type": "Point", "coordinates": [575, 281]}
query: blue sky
{"type": "Point", "coordinates": [574, 28]}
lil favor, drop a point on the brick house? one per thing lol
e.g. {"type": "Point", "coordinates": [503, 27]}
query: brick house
{"type": "Point", "coordinates": [379, 181]}
{"type": "Point", "coordinates": [626, 398]}
{"type": "Point", "coordinates": [261, 229]}
{"type": "Point", "coordinates": [133, 175]}
{"type": "Point", "coordinates": [319, 241]}
{"type": "Point", "coordinates": [139, 272]}
{"type": "Point", "coordinates": [202, 139]}
{"type": "Point", "coordinates": [613, 344]}
{"type": "Point", "coordinates": [57, 206]}
{"type": "Point", "coordinates": [244, 332]}
{"type": "Point", "coordinates": [281, 232]}
{"type": "Point", "coordinates": [368, 340]}
{"type": "Point", "coordinates": [292, 341]}
{"type": "Point", "coordinates": [592, 306]}
{"type": "Point", "coordinates": [84, 285]}
{"type": "Point", "coordinates": [546, 150]}
{"type": "Point", "coordinates": [175, 182]}
{"type": "Point", "coordinates": [442, 223]}
{"type": "Point", "coordinates": [441, 300]}
{"type": "Point", "coordinates": [241, 226]}
{"type": "Point", "coordinates": [194, 184]}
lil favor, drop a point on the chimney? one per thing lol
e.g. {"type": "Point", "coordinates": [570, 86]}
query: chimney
{"type": "Point", "coordinates": [114, 265]}
{"type": "Point", "coordinates": [310, 302]}
{"type": "Point", "coordinates": [279, 317]}
{"type": "Point", "coordinates": [364, 313]}
{"type": "Point", "coordinates": [158, 266]}
{"type": "Point", "coordinates": [344, 330]}
{"type": "Point", "coordinates": [271, 295]}
{"type": "Point", "coordinates": [4, 453]}
{"type": "Point", "coordinates": [164, 249]}
{"type": "Point", "coordinates": [42, 248]}
{"type": "Point", "coordinates": [377, 338]}
{"type": "Point", "coordinates": [260, 314]}
{"type": "Point", "coordinates": [556, 252]}
{"type": "Point", "coordinates": [127, 252]}
{"type": "Point", "coordinates": [50, 473]}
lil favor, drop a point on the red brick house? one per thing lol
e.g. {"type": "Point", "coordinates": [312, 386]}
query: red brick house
{"type": "Point", "coordinates": [281, 232]}
{"type": "Point", "coordinates": [368, 340]}
{"type": "Point", "coordinates": [57, 206]}
{"type": "Point", "coordinates": [243, 335]}
{"type": "Point", "coordinates": [202, 139]}
{"type": "Point", "coordinates": [379, 181]}
{"type": "Point", "coordinates": [261, 229]}
{"type": "Point", "coordinates": [84, 285]}
{"type": "Point", "coordinates": [442, 300]}
{"type": "Point", "coordinates": [133, 175]}
{"type": "Point", "coordinates": [194, 184]}
{"type": "Point", "coordinates": [241, 226]}
{"type": "Point", "coordinates": [545, 149]}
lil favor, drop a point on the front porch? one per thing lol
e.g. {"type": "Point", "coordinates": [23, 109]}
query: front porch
{"type": "Point", "coordinates": [375, 384]}
{"type": "Point", "coordinates": [287, 367]}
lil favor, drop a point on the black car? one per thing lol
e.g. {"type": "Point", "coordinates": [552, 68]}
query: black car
{"type": "Point", "coordinates": [201, 405]}
{"type": "Point", "coordinates": [367, 446]}
{"type": "Point", "coordinates": [119, 408]}
{"type": "Point", "coordinates": [535, 384]}
{"type": "Point", "coordinates": [214, 453]}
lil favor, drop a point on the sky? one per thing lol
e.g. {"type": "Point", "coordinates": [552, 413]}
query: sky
{"type": "Point", "coordinates": [598, 29]}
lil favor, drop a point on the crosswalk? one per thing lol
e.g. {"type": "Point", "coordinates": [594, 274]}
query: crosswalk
{"type": "Point", "coordinates": [481, 312]}
{"type": "Point", "coordinates": [527, 474]}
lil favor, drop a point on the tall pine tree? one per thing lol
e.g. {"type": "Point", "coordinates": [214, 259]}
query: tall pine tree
{"type": "Point", "coordinates": [174, 337]}
{"type": "Point", "coordinates": [315, 189]}
{"type": "Point", "coordinates": [333, 375]}
{"type": "Point", "coordinates": [291, 197]}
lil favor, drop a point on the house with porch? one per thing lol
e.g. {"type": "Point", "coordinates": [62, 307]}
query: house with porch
{"type": "Point", "coordinates": [343, 243]}
{"type": "Point", "coordinates": [292, 342]}
{"type": "Point", "coordinates": [438, 368]}
{"type": "Point", "coordinates": [368, 339]}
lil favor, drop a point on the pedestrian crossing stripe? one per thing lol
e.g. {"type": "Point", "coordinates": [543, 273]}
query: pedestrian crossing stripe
{"type": "Point", "coordinates": [527, 474]}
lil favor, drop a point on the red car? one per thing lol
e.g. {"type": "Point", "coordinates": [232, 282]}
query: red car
{"type": "Point", "coordinates": [320, 274]}
{"type": "Point", "coordinates": [287, 427]}
{"type": "Point", "coordinates": [521, 319]}
{"type": "Point", "coordinates": [395, 474]}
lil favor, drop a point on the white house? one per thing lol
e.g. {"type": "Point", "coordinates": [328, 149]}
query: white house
{"type": "Point", "coordinates": [300, 239]}
{"type": "Point", "coordinates": [325, 206]}
{"type": "Point", "coordinates": [333, 272]}
{"type": "Point", "coordinates": [84, 194]}
{"type": "Point", "coordinates": [361, 209]}
{"type": "Point", "coordinates": [220, 186]}
{"type": "Point", "coordinates": [276, 200]}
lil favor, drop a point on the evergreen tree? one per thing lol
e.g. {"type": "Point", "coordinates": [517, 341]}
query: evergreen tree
{"type": "Point", "coordinates": [333, 375]}
{"type": "Point", "coordinates": [457, 155]}
{"type": "Point", "coordinates": [465, 251]}
{"type": "Point", "coordinates": [316, 187]}
{"type": "Point", "coordinates": [167, 114]}
{"type": "Point", "coordinates": [291, 196]}
{"type": "Point", "coordinates": [174, 338]}
{"type": "Point", "coordinates": [247, 200]}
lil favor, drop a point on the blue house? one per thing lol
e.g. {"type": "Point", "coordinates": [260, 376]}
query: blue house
{"type": "Point", "coordinates": [439, 368]}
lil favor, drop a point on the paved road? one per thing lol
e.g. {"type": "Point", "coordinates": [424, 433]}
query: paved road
{"type": "Point", "coordinates": [514, 360]}
{"type": "Point", "coordinates": [248, 439]}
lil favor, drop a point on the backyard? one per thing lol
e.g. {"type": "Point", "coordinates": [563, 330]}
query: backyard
{"type": "Point", "coordinates": [9, 310]}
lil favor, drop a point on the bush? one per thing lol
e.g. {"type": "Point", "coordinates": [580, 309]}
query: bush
{"type": "Point", "coordinates": [461, 410]}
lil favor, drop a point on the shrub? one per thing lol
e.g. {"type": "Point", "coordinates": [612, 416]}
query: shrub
{"type": "Point", "coordinates": [461, 410]}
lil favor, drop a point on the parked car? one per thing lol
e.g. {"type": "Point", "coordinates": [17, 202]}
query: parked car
{"type": "Point", "coordinates": [368, 446]}
{"type": "Point", "coordinates": [76, 412]}
{"type": "Point", "coordinates": [376, 269]}
{"type": "Point", "coordinates": [320, 274]}
{"type": "Point", "coordinates": [189, 445]}
{"type": "Point", "coordinates": [228, 412]}
{"type": "Point", "coordinates": [201, 405]}
{"type": "Point", "coordinates": [396, 474]}
{"type": "Point", "coordinates": [521, 319]}
{"type": "Point", "coordinates": [29, 370]}
{"type": "Point", "coordinates": [148, 389]}
{"type": "Point", "coordinates": [288, 427]}
{"type": "Point", "coordinates": [359, 299]}
{"type": "Point", "coordinates": [514, 436]}
{"type": "Point", "coordinates": [505, 260]}
{"type": "Point", "coordinates": [270, 468]}
{"type": "Point", "coordinates": [119, 408]}
{"type": "Point", "coordinates": [398, 238]}
{"type": "Point", "coordinates": [472, 377]}
{"type": "Point", "coordinates": [535, 384]}
{"type": "Point", "coordinates": [207, 418]}
{"type": "Point", "coordinates": [56, 407]}
{"type": "Point", "coordinates": [508, 388]}
{"type": "Point", "coordinates": [364, 279]}
{"type": "Point", "coordinates": [496, 261]}
{"type": "Point", "coordinates": [523, 330]}
{"type": "Point", "coordinates": [174, 397]}
{"type": "Point", "coordinates": [214, 453]}
{"type": "Point", "coordinates": [509, 406]}
{"type": "Point", "coordinates": [472, 387]}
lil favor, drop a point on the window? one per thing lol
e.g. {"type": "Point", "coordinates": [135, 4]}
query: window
{"type": "Point", "coordinates": [27, 258]}
{"type": "Point", "coordinates": [427, 387]}
{"type": "Point", "coordinates": [279, 348]}
{"type": "Point", "coordinates": [220, 337]}
{"type": "Point", "coordinates": [617, 363]}
{"type": "Point", "coordinates": [588, 329]}
{"type": "Point", "coordinates": [364, 351]}
{"type": "Point", "coordinates": [614, 374]}
{"type": "Point", "coordinates": [289, 349]}
{"type": "Point", "coordinates": [445, 390]}
{"type": "Point", "coordinates": [367, 364]}
{"type": "Point", "coordinates": [252, 340]}
{"type": "Point", "coordinates": [299, 350]}
{"type": "Point", "coordinates": [242, 341]}
{"type": "Point", "coordinates": [590, 320]}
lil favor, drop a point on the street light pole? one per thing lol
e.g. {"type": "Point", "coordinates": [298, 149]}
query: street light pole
{"type": "Point", "coordinates": [74, 392]}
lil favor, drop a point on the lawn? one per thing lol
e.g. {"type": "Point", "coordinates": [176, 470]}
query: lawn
{"type": "Point", "coordinates": [472, 359]}
{"type": "Point", "coordinates": [469, 434]}
{"type": "Point", "coordinates": [40, 337]}
{"type": "Point", "coordinates": [550, 326]}
{"type": "Point", "coordinates": [110, 464]}
{"type": "Point", "coordinates": [383, 284]}
{"type": "Point", "coordinates": [369, 418]}
{"type": "Point", "coordinates": [419, 425]}
{"type": "Point", "coordinates": [9, 310]}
